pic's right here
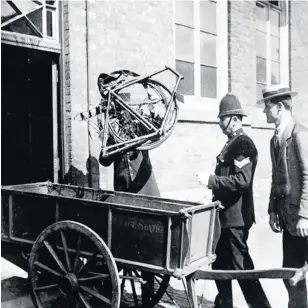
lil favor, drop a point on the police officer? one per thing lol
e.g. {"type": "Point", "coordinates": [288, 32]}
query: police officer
{"type": "Point", "coordinates": [232, 186]}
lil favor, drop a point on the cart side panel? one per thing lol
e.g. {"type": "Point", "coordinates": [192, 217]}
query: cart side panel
{"type": "Point", "coordinates": [30, 215]}
{"type": "Point", "coordinates": [85, 212]}
{"type": "Point", "coordinates": [179, 242]}
{"type": "Point", "coordinates": [4, 215]}
{"type": "Point", "coordinates": [112, 197]}
{"type": "Point", "coordinates": [139, 237]}
{"type": "Point", "coordinates": [201, 231]}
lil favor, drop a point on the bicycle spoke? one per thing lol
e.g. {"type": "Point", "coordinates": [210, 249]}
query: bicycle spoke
{"type": "Point", "coordinates": [77, 252]}
{"type": "Point", "coordinates": [55, 257]}
{"type": "Point", "coordinates": [96, 295]}
{"type": "Point", "coordinates": [68, 263]}
{"type": "Point", "coordinates": [84, 301]}
{"type": "Point", "coordinates": [48, 269]}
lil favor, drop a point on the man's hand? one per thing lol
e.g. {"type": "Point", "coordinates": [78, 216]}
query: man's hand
{"type": "Point", "coordinates": [203, 178]}
{"type": "Point", "coordinates": [275, 222]}
{"type": "Point", "coordinates": [302, 227]}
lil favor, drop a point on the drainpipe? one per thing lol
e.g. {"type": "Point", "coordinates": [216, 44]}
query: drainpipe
{"type": "Point", "coordinates": [64, 150]}
{"type": "Point", "coordinates": [89, 166]}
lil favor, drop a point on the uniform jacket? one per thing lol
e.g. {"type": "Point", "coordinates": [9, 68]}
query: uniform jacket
{"type": "Point", "coordinates": [289, 189]}
{"type": "Point", "coordinates": [233, 181]}
{"type": "Point", "coordinates": [132, 172]}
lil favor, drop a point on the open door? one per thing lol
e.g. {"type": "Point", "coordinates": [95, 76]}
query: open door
{"type": "Point", "coordinates": [29, 115]}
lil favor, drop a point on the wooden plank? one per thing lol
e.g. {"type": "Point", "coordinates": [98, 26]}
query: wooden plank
{"type": "Point", "coordinates": [300, 274]}
{"type": "Point", "coordinates": [281, 273]}
{"type": "Point", "coordinates": [191, 289]}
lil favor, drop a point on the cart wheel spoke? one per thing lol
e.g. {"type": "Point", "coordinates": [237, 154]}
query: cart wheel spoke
{"type": "Point", "coordinates": [98, 280]}
{"type": "Point", "coordinates": [47, 287]}
{"type": "Point", "coordinates": [87, 264]}
{"type": "Point", "coordinates": [84, 301]}
{"type": "Point", "coordinates": [55, 257]}
{"type": "Point", "coordinates": [77, 254]}
{"type": "Point", "coordinates": [148, 288]}
{"type": "Point", "coordinates": [48, 269]}
{"type": "Point", "coordinates": [134, 293]}
{"type": "Point", "coordinates": [93, 278]}
{"type": "Point", "coordinates": [96, 295]}
{"type": "Point", "coordinates": [123, 283]}
{"type": "Point", "coordinates": [68, 263]}
{"type": "Point", "coordinates": [151, 292]}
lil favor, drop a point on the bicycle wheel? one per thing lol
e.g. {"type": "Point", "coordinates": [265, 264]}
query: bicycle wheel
{"type": "Point", "coordinates": [149, 99]}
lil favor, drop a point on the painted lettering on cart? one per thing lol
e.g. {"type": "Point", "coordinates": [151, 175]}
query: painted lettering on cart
{"type": "Point", "coordinates": [151, 227]}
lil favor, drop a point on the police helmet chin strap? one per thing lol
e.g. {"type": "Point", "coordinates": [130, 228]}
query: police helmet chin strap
{"type": "Point", "coordinates": [227, 124]}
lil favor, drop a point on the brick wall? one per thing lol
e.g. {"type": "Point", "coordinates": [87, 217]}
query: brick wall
{"type": "Point", "coordinates": [138, 35]}
{"type": "Point", "coordinates": [299, 57]}
{"type": "Point", "coordinates": [242, 55]}
{"type": "Point", "coordinates": [116, 35]}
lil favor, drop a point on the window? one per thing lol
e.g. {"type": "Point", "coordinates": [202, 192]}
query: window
{"type": "Point", "coordinates": [271, 43]}
{"type": "Point", "coordinates": [35, 18]}
{"type": "Point", "coordinates": [196, 46]}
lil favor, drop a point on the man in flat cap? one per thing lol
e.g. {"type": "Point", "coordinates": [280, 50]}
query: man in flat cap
{"type": "Point", "coordinates": [232, 186]}
{"type": "Point", "coordinates": [288, 204]}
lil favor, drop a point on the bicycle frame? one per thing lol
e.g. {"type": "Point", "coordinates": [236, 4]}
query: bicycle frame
{"type": "Point", "coordinates": [112, 96]}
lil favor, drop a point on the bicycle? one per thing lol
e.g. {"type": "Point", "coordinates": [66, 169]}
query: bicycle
{"type": "Point", "coordinates": [134, 112]}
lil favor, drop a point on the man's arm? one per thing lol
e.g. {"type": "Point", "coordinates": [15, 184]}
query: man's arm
{"type": "Point", "coordinates": [235, 182]}
{"type": "Point", "coordinates": [301, 148]}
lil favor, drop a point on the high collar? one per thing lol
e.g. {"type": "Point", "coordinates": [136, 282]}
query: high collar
{"type": "Point", "coordinates": [240, 131]}
{"type": "Point", "coordinates": [282, 126]}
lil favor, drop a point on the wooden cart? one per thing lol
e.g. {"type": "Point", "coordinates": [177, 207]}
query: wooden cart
{"type": "Point", "coordinates": [88, 247]}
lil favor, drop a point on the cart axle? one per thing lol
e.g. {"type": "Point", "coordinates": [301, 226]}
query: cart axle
{"type": "Point", "coordinates": [69, 284]}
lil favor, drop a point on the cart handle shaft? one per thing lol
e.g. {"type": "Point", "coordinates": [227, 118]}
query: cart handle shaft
{"type": "Point", "coordinates": [281, 273]}
{"type": "Point", "coordinates": [190, 210]}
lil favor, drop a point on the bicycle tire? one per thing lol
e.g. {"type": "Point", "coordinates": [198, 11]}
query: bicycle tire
{"type": "Point", "coordinates": [150, 144]}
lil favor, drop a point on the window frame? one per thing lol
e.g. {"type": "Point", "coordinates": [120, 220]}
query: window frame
{"type": "Point", "coordinates": [284, 71]}
{"type": "Point", "coordinates": [42, 41]}
{"type": "Point", "coordinates": [197, 108]}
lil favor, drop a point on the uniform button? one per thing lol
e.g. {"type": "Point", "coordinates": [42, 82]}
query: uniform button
{"type": "Point", "coordinates": [222, 160]}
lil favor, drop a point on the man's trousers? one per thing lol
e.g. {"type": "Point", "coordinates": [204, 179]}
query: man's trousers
{"type": "Point", "coordinates": [295, 254]}
{"type": "Point", "coordinates": [232, 254]}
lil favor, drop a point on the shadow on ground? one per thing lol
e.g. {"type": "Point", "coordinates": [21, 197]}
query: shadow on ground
{"type": "Point", "coordinates": [180, 298]}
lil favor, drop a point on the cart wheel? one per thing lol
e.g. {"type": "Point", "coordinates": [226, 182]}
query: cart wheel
{"type": "Point", "coordinates": [67, 263]}
{"type": "Point", "coordinates": [143, 295]}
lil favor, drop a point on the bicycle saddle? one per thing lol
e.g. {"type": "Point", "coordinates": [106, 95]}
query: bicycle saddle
{"type": "Point", "coordinates": [126, 73]}
{"type": "Point", "coordinates": [105, 79]}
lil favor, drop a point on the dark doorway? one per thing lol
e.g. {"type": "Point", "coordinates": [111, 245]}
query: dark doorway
{"type": "Point", "coordinates": [26, 114]}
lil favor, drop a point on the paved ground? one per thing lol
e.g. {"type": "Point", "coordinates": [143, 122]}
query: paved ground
{"type": "Point", "coordinates": [265, 247]}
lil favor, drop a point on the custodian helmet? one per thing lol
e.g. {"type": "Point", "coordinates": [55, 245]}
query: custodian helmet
{"type": "Point", "coordinates": [230, 105]}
